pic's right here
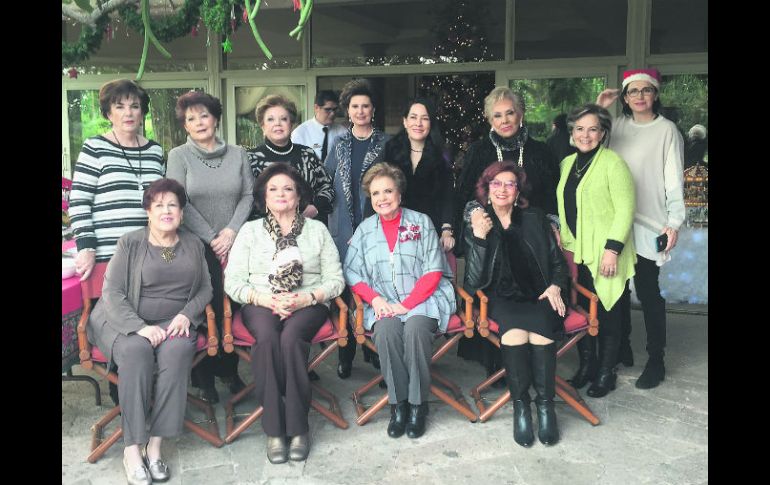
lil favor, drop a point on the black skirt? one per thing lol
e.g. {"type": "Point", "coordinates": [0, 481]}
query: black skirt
{"type": "Point", "coordinates": [536, 316]}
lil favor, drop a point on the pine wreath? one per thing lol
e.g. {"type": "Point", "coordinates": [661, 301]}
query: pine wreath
{"type": "Point", "coordinates": [166, 28]}
{"type": "Point", "coordinates": [89, 41]}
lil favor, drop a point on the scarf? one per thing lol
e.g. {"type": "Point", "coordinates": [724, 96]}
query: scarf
{"type": "Point", "coordinates": [286, 269]}
{"type": "Point", "coordinates": [515, 142]}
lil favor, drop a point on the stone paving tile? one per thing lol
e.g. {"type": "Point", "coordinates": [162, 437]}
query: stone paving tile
{"type": "Point", "coordinates": [656, 436]}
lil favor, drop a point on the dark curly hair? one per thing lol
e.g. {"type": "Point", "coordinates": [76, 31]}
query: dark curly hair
{"type": "Point", "coordinates": [356, 87]}
{"type": "Point", "coordinates": [114, 91]}
{"type": "Point", "coordinates": [304, 191]}
{"type": "Point", "coordinates": [482, 186]}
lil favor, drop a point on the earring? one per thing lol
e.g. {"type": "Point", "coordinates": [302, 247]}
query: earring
{"type": "Point", "coordinates": [489, 200]}
{"type": "Point", "coordinates": [372, 118]}
{"type": "Point", "coordinates": [516, 200]}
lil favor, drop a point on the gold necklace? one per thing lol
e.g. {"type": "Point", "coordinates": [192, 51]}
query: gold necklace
{"type": "Point", "coordinates": [166, 252]}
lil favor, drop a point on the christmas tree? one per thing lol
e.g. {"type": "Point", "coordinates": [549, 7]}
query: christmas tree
{"type": "Point", "coordinates": [460, 37]}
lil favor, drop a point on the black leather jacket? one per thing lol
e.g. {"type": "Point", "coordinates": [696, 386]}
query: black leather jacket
{"type": "Point", "coordinates": [538, 235]}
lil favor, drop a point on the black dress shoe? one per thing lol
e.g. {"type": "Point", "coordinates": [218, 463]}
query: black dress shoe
{"type": "Point", "coordinates": [208, 394]}
{"type": "Point", "coordinates": [399, 413]}
{"type": "Point", "coordinates": [415, 426]}
{"type": "Point", "coordinates": [344, 369]}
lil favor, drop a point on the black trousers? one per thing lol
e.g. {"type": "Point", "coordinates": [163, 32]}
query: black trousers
{"type": "Point", "coordinates": [279, 365]}
{"type": "Point", "coordinates": [609, 319]}
{"type": "Point", "coordinates": [222, 364]}
{"type": "Point", "coordinates": [653, 306]}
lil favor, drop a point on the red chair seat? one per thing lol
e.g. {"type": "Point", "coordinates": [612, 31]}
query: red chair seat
{"type": "Point", "coordinates": [243, 338]}
{"type": "Point", "coordinates": [574, 322]}
{"type": "Point", "coordinates": [98, 356]}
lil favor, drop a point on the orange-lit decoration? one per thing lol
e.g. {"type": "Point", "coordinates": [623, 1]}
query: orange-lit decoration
{"type": "Point", "coordinates": [696, 195]}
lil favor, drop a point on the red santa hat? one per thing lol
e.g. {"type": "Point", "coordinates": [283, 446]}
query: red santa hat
{"type": "Point", "coordinates": [652, 76]}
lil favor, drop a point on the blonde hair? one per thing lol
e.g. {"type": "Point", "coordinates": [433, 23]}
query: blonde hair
{"type": "Point", "coordinates": [273, 100]}
{"type": "Point", "coordinates": [500, 93]}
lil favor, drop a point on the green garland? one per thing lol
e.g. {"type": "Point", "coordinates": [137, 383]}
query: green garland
{"type": "Point", "coordinates": [166, 28]}
{"type": "Point", "coordinates": [216, 15]}
{"type": "Point", "coordinates": [89, 42]}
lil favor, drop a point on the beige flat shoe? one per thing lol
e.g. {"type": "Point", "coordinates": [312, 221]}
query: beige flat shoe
{"type": "Point", "coordinates": [138, 476]}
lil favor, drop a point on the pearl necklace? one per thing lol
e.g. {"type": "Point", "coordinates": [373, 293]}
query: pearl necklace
{"type": "Point", "coordinates": [291, 147]}
{"type": "Point", "coordinates": [362, 138]}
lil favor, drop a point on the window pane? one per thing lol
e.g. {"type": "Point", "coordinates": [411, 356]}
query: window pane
{"type": "Point", "coordinates": [248, 133]}
{"type": "Point", "coordinates": [391, 32]}
{"type": "Point", "coordinates": [274, 22]}
{"type": "Point", "coordinates": [546, 98]}
{"type": "Point", "coordinates": [564, 28]}
{"type": "Point", "coordinates": [679, 26]}
{"type": "Point", "coordinates": [685, 100]}
{"type": "Point", "coordinates": [122, 52]}
{"type": "Point", "coordinates": [86, 120]}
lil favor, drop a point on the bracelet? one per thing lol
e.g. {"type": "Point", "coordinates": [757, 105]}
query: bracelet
{"type": "Point", "coordinates": [613, 251]}
{"type": "Point", "coordinates": [89, 250]}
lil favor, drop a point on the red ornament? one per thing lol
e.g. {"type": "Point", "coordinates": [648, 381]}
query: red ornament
{"type": "Point", "coordinates": [297, 5]}
{"type": "Point", "coordinates": [232, 24]}
{"type": "Point", "coordinates": [245, 15]}
{"type": "Point", "coordinates": [73, 73]}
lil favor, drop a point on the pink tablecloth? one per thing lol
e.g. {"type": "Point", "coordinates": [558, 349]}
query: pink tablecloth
{"type": "Point", "coordinates": [71, 297]}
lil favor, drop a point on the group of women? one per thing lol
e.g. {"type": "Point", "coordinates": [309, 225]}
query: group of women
{"type": "Point", "coordinates": [253, 228]}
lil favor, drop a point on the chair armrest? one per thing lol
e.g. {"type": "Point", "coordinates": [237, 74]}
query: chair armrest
{"type": "Point", "coordinates": [211, 324]}
{"type": "Point", "coordinates": [483, 305]}
{"type": "Point", "coordinates": [358, 328]}
{"type": "Point", "coordinates": [468, 317]}
{"type": "Point", "coordinates": [342, 322]}
{"type": "Point", "coordinates": [593, 309]}
{"type": "Point", "coordinates": [227, 325]}
{"type": "Point", "coordinates": [84, 346]}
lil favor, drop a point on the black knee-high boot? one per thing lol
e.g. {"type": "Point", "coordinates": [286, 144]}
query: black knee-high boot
{"type": "Point", "coordinates": [587, 370]}
{"type": "Point", "coordinates": [518, 374]}
{"type": "Point", "coordinates": [608, 357]}
{"type": "Point", "coordinates": [544, 379]}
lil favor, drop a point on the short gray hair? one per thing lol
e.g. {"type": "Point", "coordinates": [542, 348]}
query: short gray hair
{"type": "Point", "coordinates": [500, 93]}
{"type": "Point", "coordinates": [384, 170]}
{"type": "Point", "coordinates": [605, 119]}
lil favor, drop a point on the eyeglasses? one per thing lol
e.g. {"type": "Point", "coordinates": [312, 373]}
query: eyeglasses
{"type": "Point", "coordinates": [497, 184]}
{"type": "Point", "coordinates": [633, 93]}
{"type": "Point", "coordinates": [330, 110]}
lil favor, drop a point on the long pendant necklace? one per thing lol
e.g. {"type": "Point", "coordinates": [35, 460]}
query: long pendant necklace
{"type": "Point", "coordinates": [166, 252]}
{"type": "Point", "coordinates": [139, 174]}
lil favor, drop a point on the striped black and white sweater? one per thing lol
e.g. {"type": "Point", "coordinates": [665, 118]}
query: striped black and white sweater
{"type": "Point", "coordinates": [105, 201]}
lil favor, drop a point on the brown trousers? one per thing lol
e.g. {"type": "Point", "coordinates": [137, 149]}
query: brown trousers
{"type": "Point", "coordinates": [279, 365]}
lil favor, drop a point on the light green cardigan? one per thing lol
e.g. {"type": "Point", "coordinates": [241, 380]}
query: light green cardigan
{"type": "Point", "coordinates": [605, 210]}
{"type": "Point", "coordinates": [249, 262]}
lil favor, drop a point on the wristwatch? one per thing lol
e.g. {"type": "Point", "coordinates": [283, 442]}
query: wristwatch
{"type": "Point", "coordinates": [313, 301]}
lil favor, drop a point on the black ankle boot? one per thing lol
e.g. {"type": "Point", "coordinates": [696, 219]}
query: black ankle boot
{"type": "Point", "coordinates": [587, 370]}
{"type": "Point", "coordinates": [606, 377]}
{"type": "Point", "coordinates": [544, 379]}
{"type": "Point", "coordinates": [415, 427]}
{"type": "Point", "coordinates": [654, 373]}
{"type": "Point", "coordinates": [399, 413]}
{"type": "Point", "coordinates": [516, 361]}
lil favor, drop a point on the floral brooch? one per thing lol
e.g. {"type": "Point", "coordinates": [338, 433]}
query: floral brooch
{"type": "Point", "coordinates": [412, 232]}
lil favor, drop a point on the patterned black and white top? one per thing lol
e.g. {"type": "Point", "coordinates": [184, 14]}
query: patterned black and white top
{"type": "Point", "coordinates": [105, 201]}
{"type": "Point", "coordinates": [306, 162]}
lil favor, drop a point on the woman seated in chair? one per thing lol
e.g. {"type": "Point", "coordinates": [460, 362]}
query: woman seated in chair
{"type": "Point", "coordinates": [284, 269]}
{"type": "Point", "coordinates": [396, 264]}
{"type": "Point", "coordinates": [156, 288]}
{"type": "Point", "coordinates": [512, 254]}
